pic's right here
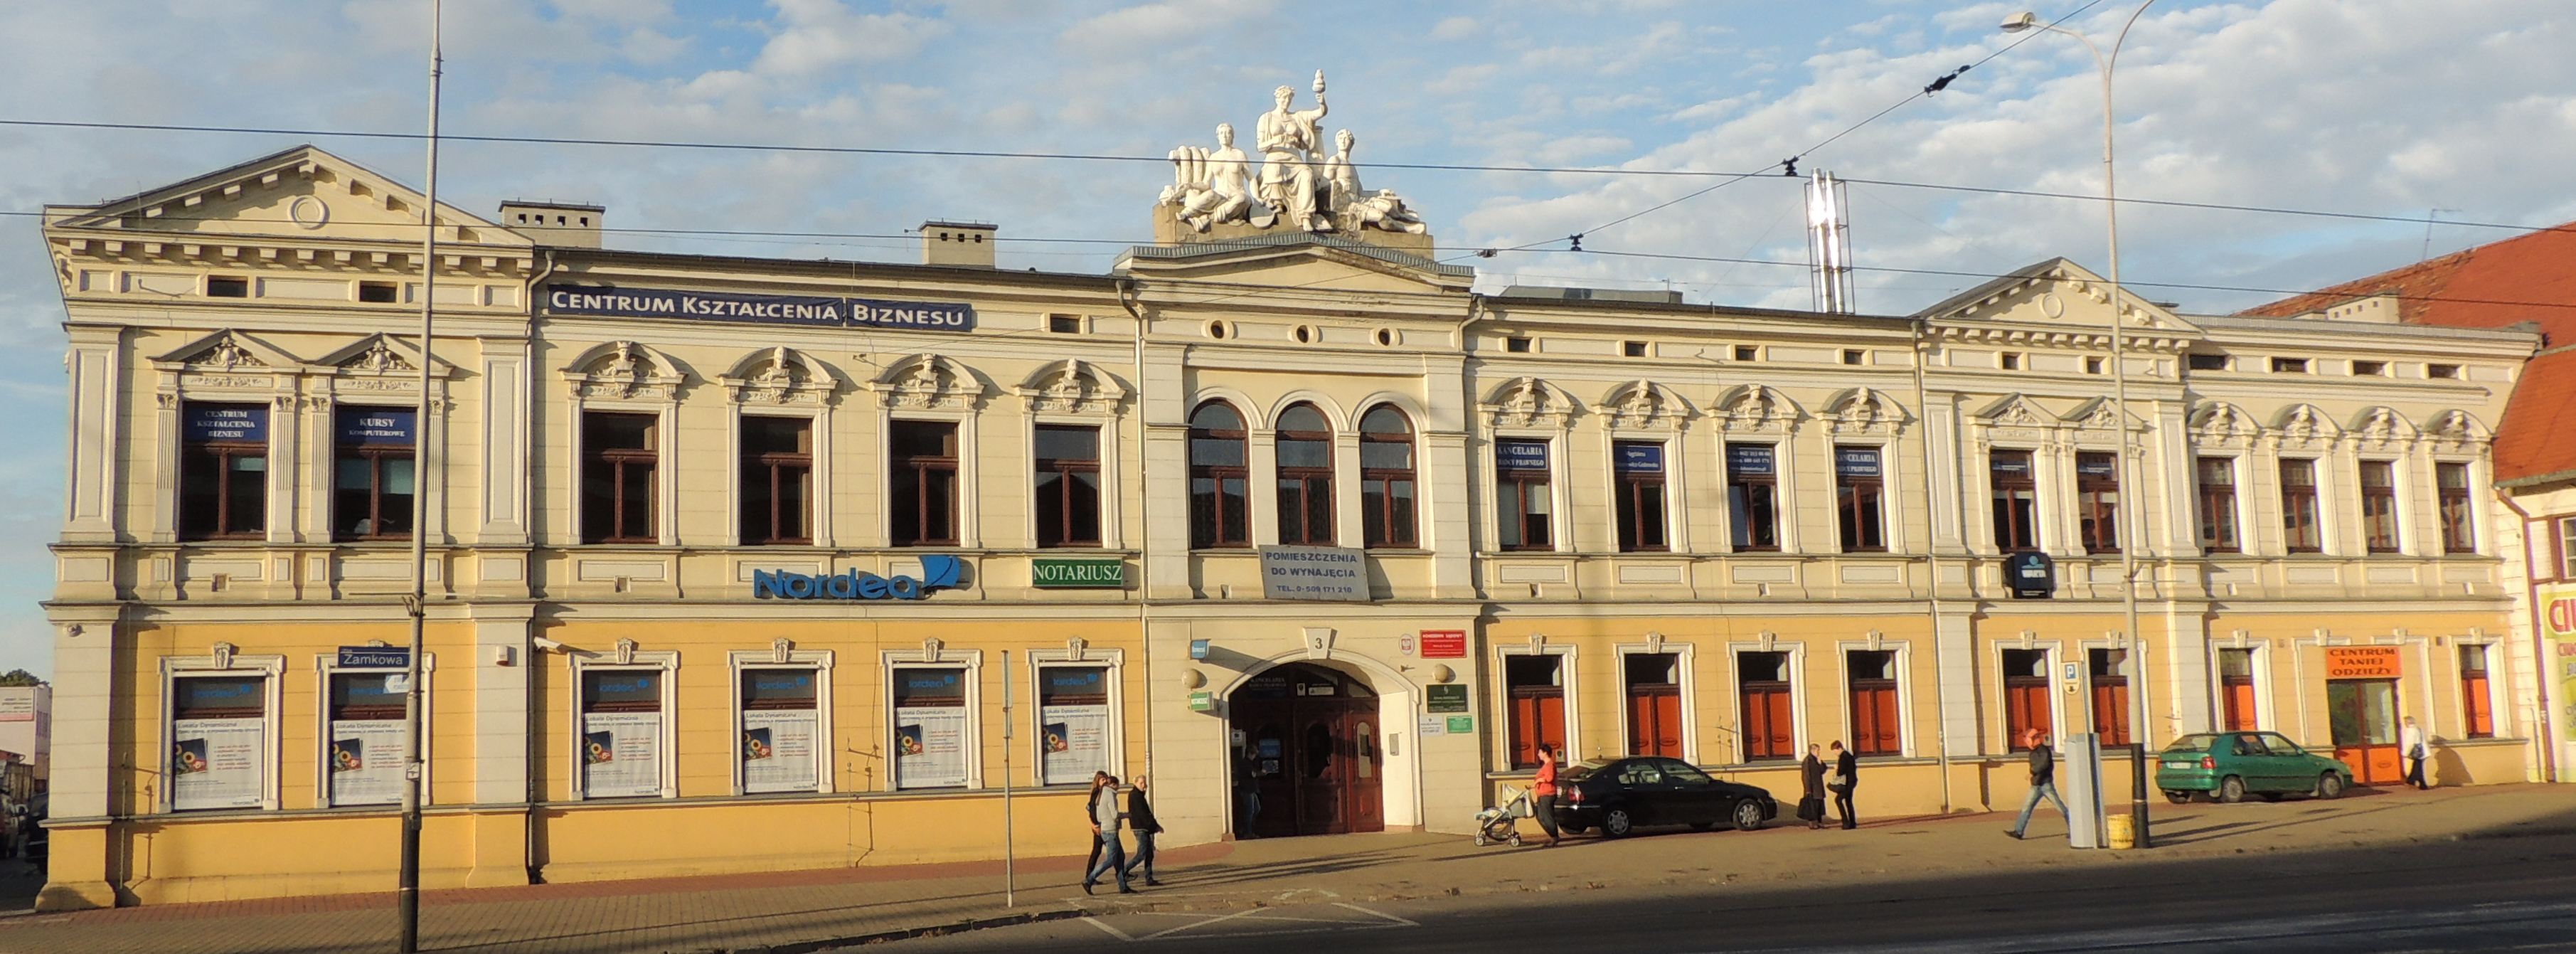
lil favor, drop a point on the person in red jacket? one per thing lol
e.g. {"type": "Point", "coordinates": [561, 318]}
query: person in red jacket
{"type": "Point", "coordinates": [1543, 792]}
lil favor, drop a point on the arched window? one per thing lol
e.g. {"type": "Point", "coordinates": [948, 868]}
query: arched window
{"type": "Point", "coordinates": [1305, 477]}
{"type": "Point", "coordinates": [1386, 478]}
{"type": "Point", "coordinates": [1218, 480]}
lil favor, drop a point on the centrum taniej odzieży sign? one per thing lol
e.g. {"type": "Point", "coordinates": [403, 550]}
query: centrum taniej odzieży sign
{"type": "Point", "coordinates": [618, 302]}
{"type": "Point", "coordinates": [1314, 573]}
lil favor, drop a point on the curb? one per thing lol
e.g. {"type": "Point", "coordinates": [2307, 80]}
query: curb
{"type": "Point", "coordinates": [899, 934]}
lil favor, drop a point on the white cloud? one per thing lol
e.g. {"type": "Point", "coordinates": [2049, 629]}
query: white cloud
{"type": "Point", "coordinates": [817, 35]}
{"type": "Point", "coordinates": [1456, 28]}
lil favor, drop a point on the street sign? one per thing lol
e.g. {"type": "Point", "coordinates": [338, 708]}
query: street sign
{"type": "Point", "coordinates": [375, 657]}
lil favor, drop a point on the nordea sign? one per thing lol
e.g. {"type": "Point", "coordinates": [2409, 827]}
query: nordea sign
{"type": "Point", "coordinates": [937, 572]}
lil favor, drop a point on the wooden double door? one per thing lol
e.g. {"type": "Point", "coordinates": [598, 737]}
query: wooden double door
{"type": "Point", "coordinates": [1315, 751]}
{"type": "Point", "coordinates": [2362, 714]}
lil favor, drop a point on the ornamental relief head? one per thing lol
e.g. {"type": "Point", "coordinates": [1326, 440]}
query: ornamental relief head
{"type": "Point", "coordinates": [1755, 408]}
{"type": "Point", "coordinates": [1643, 405]}
{"type": "Point", "coordinates": [1071, 387]}
{"type": "Point", "coordinates": [2381, 428]}
{"type": "Point", "coordinates": [1864, 411]}
{"type": "Point", "coordinates": [2221, 425]}
{"type": "Point", "coordinates": [1528, 402]}
{"type": "Point", "coordinates": [623, 371]}
{"type": "Point", "coordinates": [929, 381]}
{"type": "Point", "coordinates": [2457, 430]}
{"type": "Point", "coordinates": [2305, 427]}
{"type": "Point", "coordinates": [778, 375]}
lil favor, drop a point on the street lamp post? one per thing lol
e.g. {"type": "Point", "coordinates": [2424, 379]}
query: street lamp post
{"type": "Point", "coordinates": [2128, 530]}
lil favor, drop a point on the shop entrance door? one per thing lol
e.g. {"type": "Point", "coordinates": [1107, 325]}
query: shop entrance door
{"type": "Point", "coordinates": [2363, 716]}
{"type": "Point", "coordinates": [1313, 734]}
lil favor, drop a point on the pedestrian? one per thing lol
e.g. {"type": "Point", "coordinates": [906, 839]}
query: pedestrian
{"type": "Point", "coordinates": [1811, 794]}
{"type": "Point", "coordinates": [1845, 777]}
{"type": "Point", "coordinates": [2410, 740]}
{"type": "Point", "coordinates": [1140, 820]}
{"type": "Point", "coordinates": [1104, 822]}
{"type": "Point", "coordinates": [1543, 793]}
{"type": "Point", "coordinates": [1247, 793]}
{"type": "Point", "coordinates": [2043, 781]}
{"type": "Point", "coordinates": [1097, 779]}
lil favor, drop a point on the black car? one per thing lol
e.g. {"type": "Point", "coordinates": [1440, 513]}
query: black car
{"type": "Point", "coordinates": [1621, 795]}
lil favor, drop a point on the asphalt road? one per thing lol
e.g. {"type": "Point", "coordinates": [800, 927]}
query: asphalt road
{"type": "Point", "coordinates": [2481, 894]}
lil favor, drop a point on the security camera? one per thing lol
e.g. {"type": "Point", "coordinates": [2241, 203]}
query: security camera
{"type": "Point", "coordinates": [545, 645]}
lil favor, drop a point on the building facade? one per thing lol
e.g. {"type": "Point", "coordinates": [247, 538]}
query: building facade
{"type": "Point", "coordinates": [747, 564]}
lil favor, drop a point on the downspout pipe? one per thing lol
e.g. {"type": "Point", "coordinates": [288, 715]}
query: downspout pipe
{"type": "Point", "coordinates": [1127, 293]}
{"type": "Point", "coordinates": [2540, 658]}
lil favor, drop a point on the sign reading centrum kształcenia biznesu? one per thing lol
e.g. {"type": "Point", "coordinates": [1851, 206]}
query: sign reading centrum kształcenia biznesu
{"type": "Point", "coordinates": [616, 302]}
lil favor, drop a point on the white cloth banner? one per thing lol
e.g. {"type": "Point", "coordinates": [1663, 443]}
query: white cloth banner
{"type": "Point", "coordinates": [218, 763]}
{"type": "Point", "coordinates": [621, 754]}
{"type": "Point", "coordinates": [366, 761]}
{"type": "Point", "coordinates": [930, 747]}
{"type": "Point", "coordinates": [778, 750]}
{"type": "Point", "coordinates": [1073, 743]}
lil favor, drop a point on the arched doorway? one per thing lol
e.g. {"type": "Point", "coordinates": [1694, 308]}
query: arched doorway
{"type": "Point", "coordinates": [1310, 751]}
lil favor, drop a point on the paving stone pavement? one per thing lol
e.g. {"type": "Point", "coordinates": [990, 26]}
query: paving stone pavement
{"type": "Point", "coordinates": [812, 910]}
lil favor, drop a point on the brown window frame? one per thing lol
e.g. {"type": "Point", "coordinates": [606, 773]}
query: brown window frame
{"type": "Point", "coordinates": [2232, 720]}
{"type": "Point", "coordinates": [1068, 504]}
{"type": "Point", "coordinates": [774, 469]}
{"type": "Point", "coordinates": [1515, 488]}
{"type": "Point", "coordinates": [211, 462]}
{"type": "Point", "coordinates": [921, 467]}
{"type": "Point", "coordinates": [2477, 698]}
{"type": "Point", "coordinates": [1877, 709]}
{"type": "Point", "coordinates": [1648, 700]}
{"type": "Point", "coordinates": [2299, 506]}
{"type": "Point", "coordinates": [2017, 722]}
{"type": "Point", "coordinates": [1857, 496]}
{"type": "Point", "coordinates": [2214, 498]}
{"type": "Point", "coordinates": [375, 457]}
{"type": "Point", "coordinates": [1766, 704]}
{"type": "Point", "coordinates": [2567, 548]}
{"type": "Point", "coordinates": [2108, 692]}
{"type": "Point", "coordinates": [1381, 488]}
{"type": "Point", "coordinates": [1633, 491]}
{"type": "Point", "coordinates": [619, 465]}
{"type": "Point", "coordinates": [1525, 723]}
{"type": "Point", "coordinates": [1305, 490]}
{"type": "Point", "coordinates": [1753, 501]}
{"type": "Point", "coordinates": [1208, 507]}
{"type": "Point", "coordinates": [2097, 501]}
{"type": "Point", "coordinates": [2459, 531]}
{"type": "Point", "coordinates": [2379, 525]}
{"type": "Point", "coordinates": [2016, 528]}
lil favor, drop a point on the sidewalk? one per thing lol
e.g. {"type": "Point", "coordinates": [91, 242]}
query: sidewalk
{"type": "Point", "coordinates": [812, 910]}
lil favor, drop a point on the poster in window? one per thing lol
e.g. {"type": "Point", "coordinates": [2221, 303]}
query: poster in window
{"type": "Point", "coordinates": [930, 747]}
{"type": "Point", "coordinates": [778, 751]}
{"type": "Point", "coordinates": [1073, 723]}
{"type": "Point", "coordinates": [215, 763]}
{"type": "Point", "coordinates": [366, 761]}
{"type": "Point", "coordinates": [621, 754]}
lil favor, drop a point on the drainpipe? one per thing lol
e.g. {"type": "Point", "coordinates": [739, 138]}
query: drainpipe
{"type": "Point", "coordinates": [1931, 563]}
{"type": "Point", "coordinates": [2540, 658]}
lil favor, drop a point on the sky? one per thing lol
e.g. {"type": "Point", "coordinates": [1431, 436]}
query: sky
{"type": "Point", "coordinates": [2424, 111]}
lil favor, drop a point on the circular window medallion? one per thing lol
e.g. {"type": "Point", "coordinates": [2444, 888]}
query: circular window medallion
{"type": "Point", "coordinates": [1386, 336]}
{"type": "Point", "coordinates": [1305, 334]}
{"type": "Point", "coordinates": [308, 212]}
{"type": "Point", "coordinates": [1216, 329]}
{"type": "Point", "coordinates": [2054, 306]}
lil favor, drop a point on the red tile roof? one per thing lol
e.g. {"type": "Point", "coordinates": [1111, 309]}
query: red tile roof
{"type": "Point", "coordinates": [2527, 278]}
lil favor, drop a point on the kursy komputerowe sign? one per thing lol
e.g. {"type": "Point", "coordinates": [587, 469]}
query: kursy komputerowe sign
{"type": "Point", "coordinates": [616, 302]}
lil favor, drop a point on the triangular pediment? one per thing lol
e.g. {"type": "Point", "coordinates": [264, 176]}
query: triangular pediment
{"type": "Point", "coordinates": [2057, 295]}
{"type": "Point", "coordinates": [1324, 263]}
{"type": "Point", "coordinates": [302, 192]}
{"type": "Point", "coordinates": [229, 350]}
{"type": "Point", "coordinates": [379, 354]}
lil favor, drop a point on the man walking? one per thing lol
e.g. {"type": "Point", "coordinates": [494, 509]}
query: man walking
{"type": "Point", "coordinates": [1104, 822]}
{"type": "Point", "coordinates": [2043, 781]}
{"type": "Point", "coordinates": [2410, 740]}
{"type": "Point", "coordinates": [1845, 777]}
{"type": "Point", "coordinates": [1140, 820]}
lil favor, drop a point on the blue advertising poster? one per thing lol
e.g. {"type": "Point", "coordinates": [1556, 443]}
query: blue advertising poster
{"type": "Point", "coordinates": [1748, 460]}
{"type": "Point", "coordinates": [1856, 461]}
{"type": "Point", "coordinates": [375, 425]}
{"type": "Point", "coordinates": [1520, 455]}
{"type": "Point", "coordinates": [2011, 464]}
{"type": "Point", "coordinates": [1640, 458]}
{"type": "Point", "coordinates": [2091, 466]}
{"type": "Point", "coordinates": [244, 423]}
{"type": "Point", "coordinates": [812, 310]}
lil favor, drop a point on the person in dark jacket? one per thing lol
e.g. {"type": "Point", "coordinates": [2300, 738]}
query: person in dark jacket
{"type": "Point", "coordinates": [1140, 821]}
{"type": "Point", "coordinates": [1247, 793]}
{"type": "Point", "coordinates": [1104, 822]}
{"type": "Point", "coordinates": [2043, 781]}
{"type": "Point", "coordinates": [1846, 777]}
{"type": "Point", "coordinates": [1097, 779]}
{"type": "Point", "coordinates": [1811, 794]}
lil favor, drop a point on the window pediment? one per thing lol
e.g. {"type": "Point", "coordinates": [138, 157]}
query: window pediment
{"type": "Point", "coordinates": [1756, 408]}
{"type": "Point", "coordinates": [1071, 386]}
{"type": "Point", "coordinates": [1644, 405]}
{"type": "Point", "coordinates": [929, 381]}
{"type": "Point", "coordinates": [779, 375]}
{"type": "Point", "coordinates": [624, 371]}
{"type": "Point", "coordinates": [1528, 402]}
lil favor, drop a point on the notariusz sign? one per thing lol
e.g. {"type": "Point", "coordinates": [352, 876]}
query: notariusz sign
{"type": "Point", "coordinates": [937, 573]}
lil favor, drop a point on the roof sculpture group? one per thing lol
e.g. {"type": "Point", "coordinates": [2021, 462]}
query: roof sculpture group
{"type": "Point", "coordinates": [1296, 187]}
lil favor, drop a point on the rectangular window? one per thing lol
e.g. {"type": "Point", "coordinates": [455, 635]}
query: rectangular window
{"type": "Point", "coordinates": [1220, 512]}
{"type": "Point", "coordinates": [367, 737]}
{"type": "Point", "coordinates": [1073, 723]}
{"type": "Point", "coordinates": [2289, 365]}
{"type": "Point", "coordinates": [1535, 688]}
{"type": "Point", "coordinates": [1639, 468]}
{"type": "Point", "coordinates": [781, 742]}
{"type": "Point", "coordinates": [2567, 548]}
{"type": "Point", "coordinates": [2097, 500]}
{"type": "Point", "coordinates": [1752, 496]}
{"type": "Point", "coordinates": [1874, 729]}
{"type": "Point", "coordinates": [2026, 697]}
{"type": "Point", "coordinates": [921, 483]}
{"type": "Point", "coordinates": [1858, 486]}
{"type": "Point", "coordinates": [1521, 483]}
{"type": "Point", "coordinates": [1068, 486]}
{"type": "Point", "coordinates": [1633, 349]}
{"type": "Point", "coordinates": [1770, 728]}
{"type": "Point", "coordinates": [1516, 345]}
{"type": "Point", "coordinates": [221, 286]}
{"type": "Point", "coordinates": [1387, 488]}
{"type": "Point", "coordinates": [223, 472]}
{"type": "Point", "coordinates": [2236, 689]}
{"type": "Point", "coordinates": [2477, 703]}
{"type": "Point", "coordinates": [1854, 356]}
{"type": "Point", "coordinates": [620, 453]}
{"type": "Point", "coordinates": [1748, 353]}
{"type": "Point", "coordinates": [2092, 365]}
{"type": "Point", "coordinates": [777, 480]}
{"type": "Point", "coordinates": [376, 293]}
{"type": "Point", "coordinates": [2011, 360]}
{"type": "Point", "coordinates": [1064, 324]}
{"type": "Point", "coordinates": [2370, 369]}
{"type": "Point", "coordinates": [1654, 704]}
{"type": "Point", "coordinates": [2442, 371]}
{"type": "Point", "coordinates": [2452, 480]}
{"type": "Point", "coordinates": [2379, 505]}
{"type": "Point", "coordinates": [2299, 529]}
{"type": "Point", "coordinates": [2207, 362]}
{"type": "Point", "coordinates": [2107, 673]}
{"type": "Point", "coordinates": [371, 486]}
{"type": "Point", "coordinates": [2217, 483]}
{"type": "Point", "coordinates": [621, 733]}
{"type": "Point", "coordinates": [2015, 489]}
{"type": "Point", "coordinates": [218, 742]}
{"type": "Point", "coordinates": [930, 727]}
{"type": "Point", "coordinates": [1305, 478]}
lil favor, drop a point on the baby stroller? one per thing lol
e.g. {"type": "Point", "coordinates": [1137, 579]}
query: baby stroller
{"type": "Point", "coordinates": [1502, 822]}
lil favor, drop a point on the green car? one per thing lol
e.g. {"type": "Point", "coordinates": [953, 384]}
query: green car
{"type": "Point", "coordinates": [2226, 765]}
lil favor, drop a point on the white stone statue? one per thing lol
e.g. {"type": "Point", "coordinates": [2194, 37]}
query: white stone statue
{"type": "Point", "coordinates": [1359, 207]}
{"type": "Point", "coordinates": [1289, 141]}
{"type": "Point", "coordinates": [1211, 186]}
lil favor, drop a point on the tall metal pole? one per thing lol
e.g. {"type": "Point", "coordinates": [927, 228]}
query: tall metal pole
{"type": "Point", "coordinates": [1931, 555]}
{"type": "Point", "coordinates": [407, 885]}
{"type": "Point", "coordinates": [1010, 854]}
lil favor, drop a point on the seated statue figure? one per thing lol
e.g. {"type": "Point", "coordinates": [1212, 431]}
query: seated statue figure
{"type": "Point", "coordinates": [1381, 208]}
{"type": "Point", "coordinates": [1211, 186]}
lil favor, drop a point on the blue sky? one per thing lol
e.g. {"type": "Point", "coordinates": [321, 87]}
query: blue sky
{"type": "Point", "coordinates": [2384, 107]}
